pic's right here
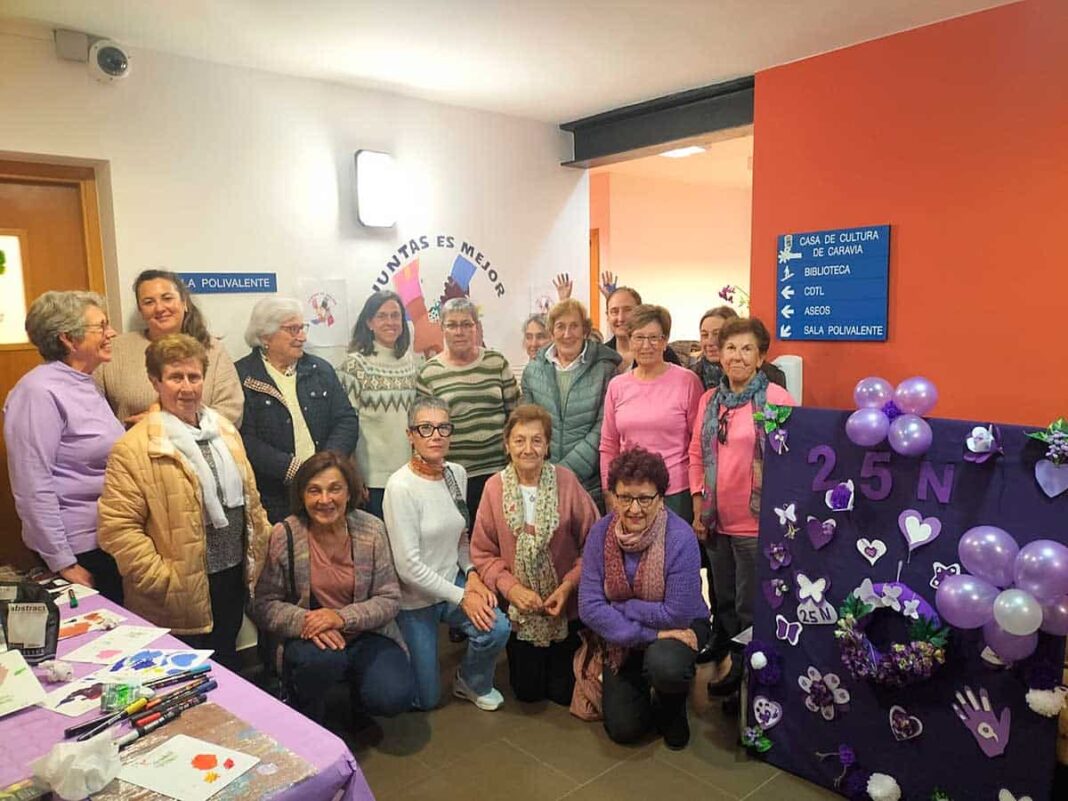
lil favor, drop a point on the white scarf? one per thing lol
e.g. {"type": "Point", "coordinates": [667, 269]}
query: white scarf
{"type": "Point", "coordinates": [185, 438]}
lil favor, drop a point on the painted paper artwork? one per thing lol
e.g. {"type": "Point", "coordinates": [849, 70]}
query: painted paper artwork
{"type": "Point", "coordinates": [156, 663]}
{"type": "Point", "coordinates": [99, 620]}
{"type": "Point", "coordinates": [187, 769]}
{"type": "Point", "coordinates": [325, 311]}
{"type": "Point", "coordinates": [77, 697]}
{"type": "Point", "coordinates": [115, 644]}
{"type": "Point", "coordinates": [12, 289]}
{"type": "Point", "coordinates": [19, 688]}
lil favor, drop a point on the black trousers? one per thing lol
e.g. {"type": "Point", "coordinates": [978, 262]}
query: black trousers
{"type": "Point", "coordinates": [666, 667]}
{"type": "Point", "coordinates": [537, 673]}
{"type": "Point", "coordinates": [227, 590]}
{"type": "Point", "coordinates": [475, 485]}
{"type": "Point", "coordinates": [105, 573]}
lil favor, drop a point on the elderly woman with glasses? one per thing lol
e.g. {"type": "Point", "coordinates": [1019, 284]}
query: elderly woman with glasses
{"type": "Point", "coordinates": [294, 404]}
{"type": "Point", "coordinates": [640, 591]}
{"type": "Point", "coordinates": [59, 431]}
{"type": "Point", "coordinates": [478, 385]}
{"type": "Point", "coordinates": [726, 471]}
{"type": "Point", "coordinates": [428, 525]}
{"type": "Point", "coordinates": [654, 406]}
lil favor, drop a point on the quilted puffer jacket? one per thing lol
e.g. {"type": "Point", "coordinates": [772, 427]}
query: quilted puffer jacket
{"type": "Point", "coordinates": [151, 519]}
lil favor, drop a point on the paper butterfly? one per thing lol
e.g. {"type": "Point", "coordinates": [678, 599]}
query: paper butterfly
{"type": "Point", "coordinates": [807, 588]}
{"type": "Point", "coordinates": [786, 514]}
{"type": "Point", "coordinates": [788, 630]}
{"type": "Point", "coordinates": [941, 571]}
{"type": "Point", "coordinates": [891, 597]}
{"type": "Point", "coordinates": [866, 593]}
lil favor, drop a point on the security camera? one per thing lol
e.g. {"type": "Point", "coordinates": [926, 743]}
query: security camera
{"type": "Point", "coordinates": [108, 61]}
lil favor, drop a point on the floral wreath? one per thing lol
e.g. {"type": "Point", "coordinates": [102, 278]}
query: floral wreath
{"type": "Point", "coordinates": [903, 663]}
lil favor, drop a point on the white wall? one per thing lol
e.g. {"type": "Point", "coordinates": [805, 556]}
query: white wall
{"type": "Point", "coordinates": [222, 168]}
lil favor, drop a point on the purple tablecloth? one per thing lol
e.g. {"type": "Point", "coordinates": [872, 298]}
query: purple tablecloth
{"type": "Point", "coordinates": [31, 733]}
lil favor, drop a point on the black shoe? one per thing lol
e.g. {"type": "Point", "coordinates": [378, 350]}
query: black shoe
{"type": "Point", "coordinates": [669, 715]}
{"type": "Point", "coordinates": [729, 683]}
{"type": "Point", "coordinates": [732, 704]}
{"type": "Point", "coordinates": [706, 655]}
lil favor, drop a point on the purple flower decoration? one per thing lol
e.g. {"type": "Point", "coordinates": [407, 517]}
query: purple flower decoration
{"type": "Point", "coordinates": [778, 554]}
{"type": "Point", "coordinates": [846, 756]}
{"type": "Point", "coordinates": [823, 693]}
{"type": "Point", "coordinates": [777, 438]}
{"type": "Point", "coordinates": [840, 499]}
{"type": "Point", "coordinates": [727, 293]}
{"type": "Point", "coordinates": [983, 444]}
{"type": "Point", "coordinates": [891, 411]}
{"type": "Point", "coordinates": [855, 786]}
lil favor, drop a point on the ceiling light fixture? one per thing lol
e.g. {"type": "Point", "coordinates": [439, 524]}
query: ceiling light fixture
{"type": "Point", "coordinates": [683, 152]}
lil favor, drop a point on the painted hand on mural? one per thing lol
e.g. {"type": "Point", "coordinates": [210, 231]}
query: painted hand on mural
{"type": "Point", "coordinates": [991, 733]}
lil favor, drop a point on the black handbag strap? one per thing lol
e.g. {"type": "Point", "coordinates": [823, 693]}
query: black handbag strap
{"type": "Point", "coordinates": [293, 597]}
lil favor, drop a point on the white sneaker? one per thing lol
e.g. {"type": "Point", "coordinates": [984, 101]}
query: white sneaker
{"type": "Point", "coordinates": [489, 702]}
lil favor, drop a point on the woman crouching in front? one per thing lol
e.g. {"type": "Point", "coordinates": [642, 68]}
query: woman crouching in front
{"type": "Point", "coordinates": [641, 592]}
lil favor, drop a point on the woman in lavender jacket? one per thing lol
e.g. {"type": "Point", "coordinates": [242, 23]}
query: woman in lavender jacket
{"type": "Point", "coordinates": [640, 591]}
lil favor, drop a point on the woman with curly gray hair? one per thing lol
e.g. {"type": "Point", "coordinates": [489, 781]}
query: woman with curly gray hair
{"type": "Point", "coordinates": [59, 431]}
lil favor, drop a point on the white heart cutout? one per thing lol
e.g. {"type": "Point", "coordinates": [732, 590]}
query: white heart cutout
{"type": "Point", "coordinates": [871, 550]}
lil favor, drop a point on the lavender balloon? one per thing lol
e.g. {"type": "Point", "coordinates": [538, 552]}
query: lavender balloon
{"type": "Point", "coordinates": [910, 435]}
{"type": "Point", "coordinates": [867, 427]}
{"type": "Point", "coordinates": [1009, 647]}
{"type": "Point", "coordinates": [916, 395]}
{"type": "Point", "coordinates": [1055, 617]}
{"type": "Point", "coordinates": [989, 553]}
{"type": "Point", "coordinates": [872, 393]}
{"type": "Point", "coordinates": [966, 602]}
{"type": "Point", "coordinates": [1042, 569]}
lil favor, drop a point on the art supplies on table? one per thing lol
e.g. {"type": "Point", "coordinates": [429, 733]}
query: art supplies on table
{"type": "Point", "coordinates": [186, 768]}
{"type": "Point", "coordinates": [177, 678]}
{"type": "Point", "coordinates": [78, 697]}
{"type": "Point", "coordinates": [60, 589]}
{"type": "Point", "coordinates": [116, 644]}
{"type": "Point", "coordinates": [158, 663]}
{"type": "Point", "coordinates": [98, 620]}
{"type": "Point", "coordinates": [25, 790]}
{"type": "Point", "coordinates": [19, 688]}
{"type": "Point", "coordinates": [29, 619]}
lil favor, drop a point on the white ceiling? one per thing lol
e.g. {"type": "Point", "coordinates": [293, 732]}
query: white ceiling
{"type": "Point", "coordinates": [551, 60]}
{"type": "Point", "coordinates": [725, 163]}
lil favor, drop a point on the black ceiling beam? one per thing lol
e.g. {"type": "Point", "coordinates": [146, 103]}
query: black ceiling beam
{"type": "Point", "coordinates": [662, 120]}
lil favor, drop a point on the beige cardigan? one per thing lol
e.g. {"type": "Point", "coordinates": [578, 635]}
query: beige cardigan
{"type": "Point", "coordinates": [124, 380]}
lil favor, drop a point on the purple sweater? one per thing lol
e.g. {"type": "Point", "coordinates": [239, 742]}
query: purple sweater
{"type": "Point", "coordinates": [635, 623]}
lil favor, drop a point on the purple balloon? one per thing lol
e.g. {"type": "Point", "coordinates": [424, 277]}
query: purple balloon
{"type": "Point", "coordinates": [1042, 570]}
{"type": "Point", "coordinates": [916, 395]}
{"type": "Point", "coordinates": [872, 393]}
{"type": "Point", "coordinates": [1008, 646]}
{"type": "Point", "coordinates": [910, 435]}
{"type": "Point", "coordinates": [989, 553]}
{"type": "Point", "coordinates": [1055, 617]}
{"type": "Point", "coordinates": [966, 602]}
{"type": "Point", "coordinates": [867, 427]}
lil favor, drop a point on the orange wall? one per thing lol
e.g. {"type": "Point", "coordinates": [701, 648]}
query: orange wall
{"type": "Point", "coordinates": [957, 135]}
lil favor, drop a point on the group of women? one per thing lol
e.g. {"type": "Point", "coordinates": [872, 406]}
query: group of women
{"type": "Point", "coordinates": [191, 488]}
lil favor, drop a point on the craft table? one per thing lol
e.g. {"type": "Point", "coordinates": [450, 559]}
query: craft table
{"type": "Point", "coordinates": [31, 733]}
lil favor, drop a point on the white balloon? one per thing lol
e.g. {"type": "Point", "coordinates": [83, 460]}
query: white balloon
{"type": "Point", "coordinates": [1017, 612]}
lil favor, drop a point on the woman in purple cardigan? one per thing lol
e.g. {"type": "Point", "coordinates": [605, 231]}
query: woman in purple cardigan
{"type": "Point", "coordinates": [640, 590]}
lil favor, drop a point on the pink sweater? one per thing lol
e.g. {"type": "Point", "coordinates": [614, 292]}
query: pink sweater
{"type": "Point", "coordinates": [658, 415]}
{"type": "Point", "coordinates": [734, 463]}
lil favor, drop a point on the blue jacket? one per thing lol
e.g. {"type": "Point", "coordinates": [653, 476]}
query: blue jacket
{"type": "Point", "coordinates": [267, 427]}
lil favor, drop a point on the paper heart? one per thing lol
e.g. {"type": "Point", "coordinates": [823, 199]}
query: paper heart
{"type": "Point", "coordinates": [903, 725]}
{"type": "Point", "coordinates": [1052, 478]}
{"type": "Point", "coordinates": [1005, 795]}
{"type": "Point", "coordinates": [872, 550]}
{"type": "Point", "coordinates": [820, 532]}
{"type": "Point", "coordinates": [917, 529]}
{"type": "Point", "coordinates": [766, 712]}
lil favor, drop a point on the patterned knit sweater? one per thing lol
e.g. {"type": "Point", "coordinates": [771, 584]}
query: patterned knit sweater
{"type": "Point", "coordinates": [381, 389]}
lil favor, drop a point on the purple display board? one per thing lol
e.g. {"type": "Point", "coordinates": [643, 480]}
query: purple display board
{"type": "Point", "coordinates": [911, 733]}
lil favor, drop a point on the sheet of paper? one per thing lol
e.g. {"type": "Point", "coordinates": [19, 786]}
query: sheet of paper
{"type": "Point", "coordinates": [77, 697]}
{"type": "Point", "coordinates": [60, 594]}
{"type": "Point", "coordinates": [99, 620]}
{"type": "Point", "coordinates": [187, 769]}
{"type": "Point", "coordinates": [115, 644]}
{"type": "Point", "coordinates": [19, 688]}
{"type": "Point", "coordinates": [156, 663]}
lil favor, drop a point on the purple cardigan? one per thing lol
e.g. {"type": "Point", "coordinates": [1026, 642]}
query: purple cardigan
{"type": "Point", "coordinates": [634, 622]}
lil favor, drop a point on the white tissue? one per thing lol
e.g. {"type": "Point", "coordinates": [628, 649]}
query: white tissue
{"type": "Point", "coordinates": [56, 671]}
{"type": "Point", "coordinates": [75, 770]}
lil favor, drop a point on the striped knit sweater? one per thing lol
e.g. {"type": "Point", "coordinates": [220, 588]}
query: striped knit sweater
{"type": "Point", "coordinates": [480, 395]}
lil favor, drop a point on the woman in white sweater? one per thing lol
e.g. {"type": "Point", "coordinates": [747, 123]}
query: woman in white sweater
{"type": "Point", "coordinates": [428, 527]}
{"type": "Point", "coordinates": [379, 377]}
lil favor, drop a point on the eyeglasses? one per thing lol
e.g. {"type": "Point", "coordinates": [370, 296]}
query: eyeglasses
{"type": "Point", "coordinates": [295, 330]}
{"type": "Point", "coordinates": [651, 339]}
{"type": "Point", "coordinates": [644, 501]}
{"type": "Point", "coordinates": [102, 327]}
{"type": "Point", "coordinates": [721, 427]}
{"type": "Point", "coordinates": [426, 430]}
{"type": "Point", "coordinates": [452, 328]}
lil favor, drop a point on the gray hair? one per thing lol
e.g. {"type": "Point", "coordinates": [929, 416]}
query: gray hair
{"type": "Point", "coordinates": [536, 318]}
{"type": "Point", "coordinates": [423, 402]}
{"type": "Point", "coordinates": [268, 316]}
{"type": "Point", "coordinates": [459, 306]}
{"type": "Point", "coordinates": [55, 313]}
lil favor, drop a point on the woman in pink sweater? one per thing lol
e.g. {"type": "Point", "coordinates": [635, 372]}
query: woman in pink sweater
{"type": "Point", "coordinates": [654, 406]}
{"type": "Point", "coordinates": [726, 474]}
{"type": "Point", "coordinates": [527, 547]}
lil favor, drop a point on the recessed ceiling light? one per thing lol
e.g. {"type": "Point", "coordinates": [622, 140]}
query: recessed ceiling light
{"type": "Point", "coordinates": [683, 152]}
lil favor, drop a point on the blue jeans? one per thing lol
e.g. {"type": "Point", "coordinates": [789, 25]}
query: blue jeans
{"type": "Point", "coordinates": [420, 629]}
{"type": "Point", "coordinates": [374, 665]}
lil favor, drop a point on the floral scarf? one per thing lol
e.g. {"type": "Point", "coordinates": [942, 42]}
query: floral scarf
{"type": "Point", "coordinates": [648, 580]}
{"type": "Point", "coordinates": [755, 393]}
{"type": "Point", "coordinates": [710, 373]}
{"type": "Point", "coordinates": [533, 561]}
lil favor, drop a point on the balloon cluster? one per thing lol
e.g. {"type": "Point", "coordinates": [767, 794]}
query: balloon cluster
{"type": "Point", "coordinates": [1012, 592]}
{"type": "Point", "coordinates": [887, 413]}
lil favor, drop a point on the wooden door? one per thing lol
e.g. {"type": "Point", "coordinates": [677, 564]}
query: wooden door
{"type": "Point", "coordinates": [595, 277]}
{"type": "Point", "coordinates": [54, 212]}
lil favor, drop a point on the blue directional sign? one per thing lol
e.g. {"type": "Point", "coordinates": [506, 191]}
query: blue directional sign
{"type": "Point", "coordinates": [217, 283]}
{"type": "Point", "coordinates": [833, 285]}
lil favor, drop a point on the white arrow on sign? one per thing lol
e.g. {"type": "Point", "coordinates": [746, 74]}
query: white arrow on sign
{"type": "Point", "coordinates": [787, 311]}
{"type": "Point", "coordinates": [784, 332]}
{"type": "Point", "coordinates": [787, 292]}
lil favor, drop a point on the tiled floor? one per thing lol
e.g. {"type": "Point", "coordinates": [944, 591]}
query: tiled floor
{"type": "Point", "coordinates": [539, 752]}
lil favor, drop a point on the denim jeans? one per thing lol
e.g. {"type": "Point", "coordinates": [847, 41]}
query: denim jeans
{"type": "Point", "coordinates": [420, 630]}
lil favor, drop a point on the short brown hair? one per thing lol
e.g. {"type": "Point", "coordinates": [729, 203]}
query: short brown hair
{"type": "Point", "coordinates": [633, 293]}
{"type": "Point", "coordinates": [529, 413]}
{"type": "Point", "coordinates": [171, 349]}
{"type": "Point", "coordinates": [569, 306]}
{"type": "Point", "coordinates": [648, 313]}
{"type": "Point", "coordinates": [637, 465]}
{"type": "Point", "coordinates": [723, 312]}
{"type": "Point", "coordinates": [746, 325]}
{"type": "Point", "coordinates": [324, 460]}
